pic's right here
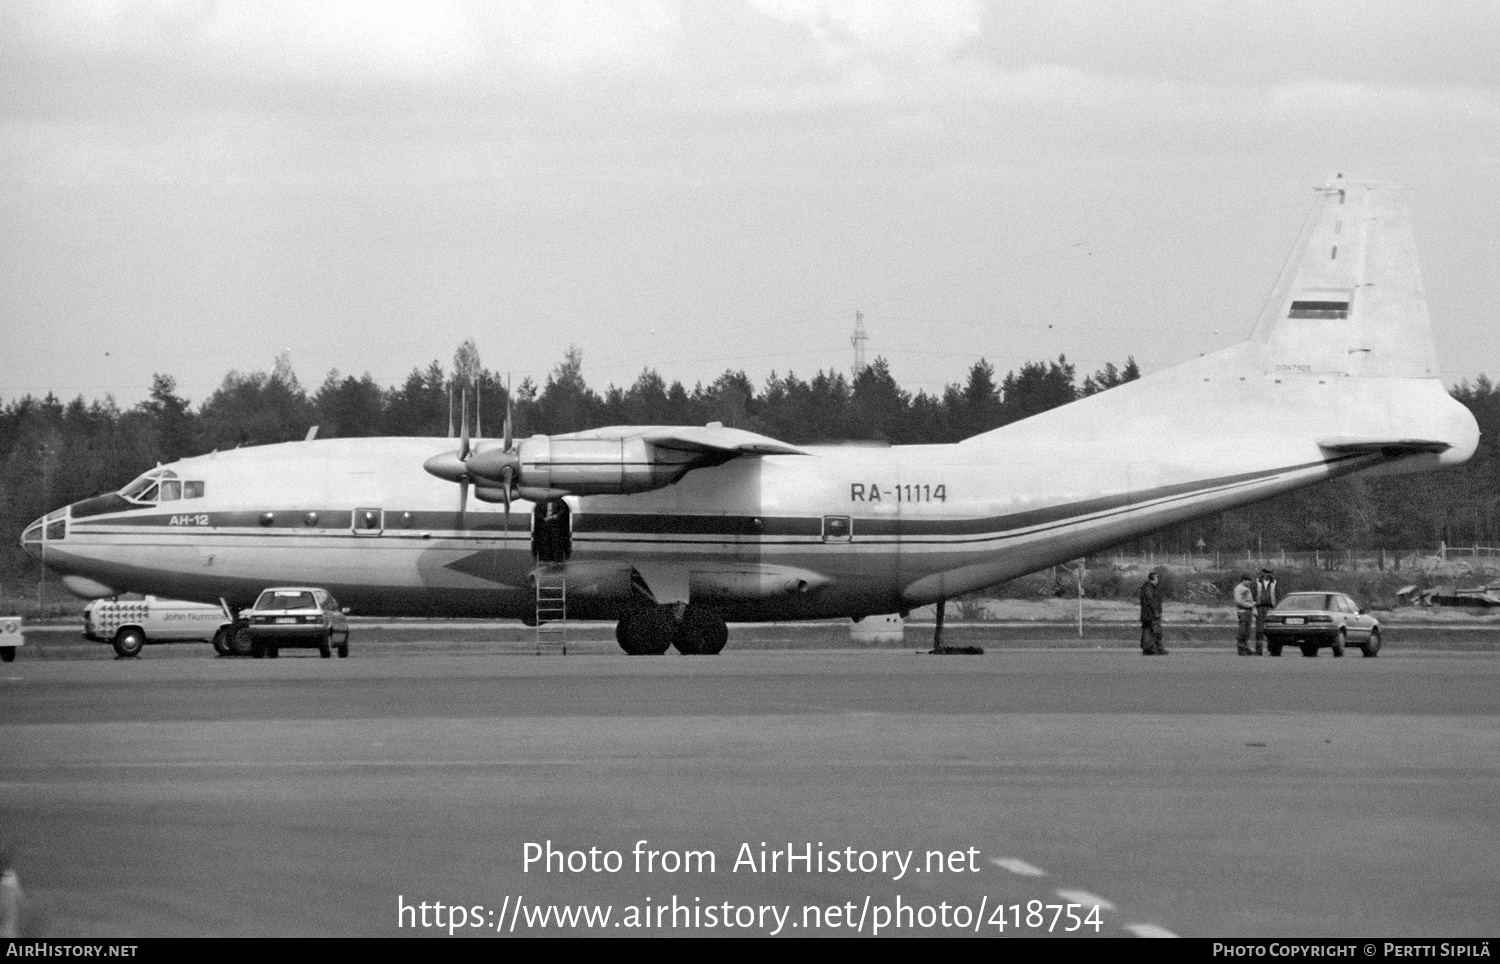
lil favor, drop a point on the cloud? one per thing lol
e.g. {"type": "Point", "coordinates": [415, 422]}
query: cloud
{"type": "Point", "coordinates": [847, 30]}
{"type": "Point", "coordinates": [458, 43]}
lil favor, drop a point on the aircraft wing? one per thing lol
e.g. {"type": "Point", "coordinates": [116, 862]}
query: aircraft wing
{"type": "Point", "coordinates": [710, 439]}
{"type": "Point", "coordinates": [1389, 447]}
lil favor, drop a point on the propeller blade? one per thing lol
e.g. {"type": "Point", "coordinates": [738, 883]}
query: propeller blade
{"type": "Point", "coordinates": [463, 445]}
{"type": "Point", "coordinates": [508, 435]}
{"type": "Point", "coordinates": [463, 504]}
{"type": "Point", "coordinates": [450, 411]}
{"type": "Point", "coordinates": [505, 475]}
{"type": "Point", "coordinates": [478, 411]}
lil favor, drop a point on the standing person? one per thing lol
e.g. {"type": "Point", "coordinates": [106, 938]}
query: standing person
{"type": "Point", "coordinates": [1151, 617]}
{"type": "Point", "coordinates": [1265, 600]}
{"type": "Point", "coordinates": [1244, 607]}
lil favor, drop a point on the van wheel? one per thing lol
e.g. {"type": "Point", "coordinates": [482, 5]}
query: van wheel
{"type": "Point", "coordinates": [224, 641]}
{"type": "Point", "coordinates": [1373, 646]}
{"type": "Point", "coordinates": [325, 645]}
{"type": "Point", "coordinates": [128, 642]}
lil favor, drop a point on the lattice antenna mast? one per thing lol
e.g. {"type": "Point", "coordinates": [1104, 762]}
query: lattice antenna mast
{"type": "Point", "coordinates": [858, 340]}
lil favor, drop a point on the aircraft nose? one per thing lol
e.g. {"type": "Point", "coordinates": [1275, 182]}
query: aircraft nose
{"type": "Point", "coordinates": [31, 538]}
{"type": "Point", "coordinates": [52, 527]}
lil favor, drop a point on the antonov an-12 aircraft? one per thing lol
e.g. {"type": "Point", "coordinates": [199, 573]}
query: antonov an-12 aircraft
{"type": "Point", "coordinates": [675, 530]}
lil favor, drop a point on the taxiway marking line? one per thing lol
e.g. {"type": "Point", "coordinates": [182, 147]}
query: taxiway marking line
{"type": "Point", "coordinates": [1084, 897]}
{"type": "Point", "coordinates": [1021, 868]}
{"type": "Point", "coordinates": [1018, 867]}
{"type": "Point", "coordinates": [1149, 930]}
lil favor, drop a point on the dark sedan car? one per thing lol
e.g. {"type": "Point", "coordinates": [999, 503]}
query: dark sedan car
{"type": "Point", "coordinates": [1315, 619]}
{"type": "Point", "coordinates": [296, 616]}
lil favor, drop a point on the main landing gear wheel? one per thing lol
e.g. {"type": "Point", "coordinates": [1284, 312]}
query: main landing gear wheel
{"type": "Point", "coordinates": [645, 631]}
{"type": "Point", "coordinates": [702, 632]}
{"type": "Point", "coordinates": [128, 642]}
{"type": "Point", "coordinates": [1373, 646]}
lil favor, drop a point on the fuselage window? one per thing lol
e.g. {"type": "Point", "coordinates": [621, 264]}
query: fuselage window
{"type": "Point", "coordinates": [171, 491]}
{"type": "Point", "coordinates": [192, 490]}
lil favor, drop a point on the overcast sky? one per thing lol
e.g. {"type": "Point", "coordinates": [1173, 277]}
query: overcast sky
{"type": "Point", "coordinates": [193, 186]}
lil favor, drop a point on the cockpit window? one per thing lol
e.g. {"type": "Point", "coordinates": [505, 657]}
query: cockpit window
{"type": "Point", "coordinates": [136, 489]}
{"type": "Point", "coordinates": [162, 485]}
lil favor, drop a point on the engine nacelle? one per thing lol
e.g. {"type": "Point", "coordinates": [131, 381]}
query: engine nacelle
{"type": "Point", "coordinates": [598, 466]}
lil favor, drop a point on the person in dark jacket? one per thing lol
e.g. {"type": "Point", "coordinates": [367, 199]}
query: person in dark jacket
{"type": "Point", "coordinates": [1151, 617]}
{"type": "Point", "coordinates": [1266, 598]}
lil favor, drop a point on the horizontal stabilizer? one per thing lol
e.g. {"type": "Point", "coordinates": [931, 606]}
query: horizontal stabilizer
{"type": "Point", "coordinates": [1390, 447]}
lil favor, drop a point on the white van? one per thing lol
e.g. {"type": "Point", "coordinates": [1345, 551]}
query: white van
{"type": "Point", "coordinates": [129, 624]}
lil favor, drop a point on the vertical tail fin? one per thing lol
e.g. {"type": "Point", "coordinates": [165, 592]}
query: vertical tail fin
{"type": "Point", "coordinates": [1353, 304]}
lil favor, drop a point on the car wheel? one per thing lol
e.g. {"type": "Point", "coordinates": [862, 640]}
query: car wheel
{"type": "Point", "coordinates": [1373, 646]}
{"type": "Point", "coordinates": [1273, 648]}
{"type": "Point", "coordinates": [1310, 650]}
{"type": "Point", "coordinates": [344, 647]}
{"type": "Point", "coordinates": [7, 654]}
{"type": "Point", "coordinates": [128, 642]}
{"type": "Point", "coordinates": [273, 652]}
{"type": "Point", "coordinates": [1340, 641]}
{"type": "Point", "coordinates": [325, 645]}
{"type": "Point", "coordinates": [224, 641]}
